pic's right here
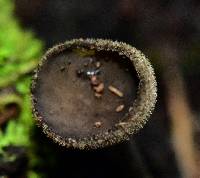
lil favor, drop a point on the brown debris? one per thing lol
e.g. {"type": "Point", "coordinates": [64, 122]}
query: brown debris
{"type": "Point", "coordinates": [85, 64]}
{"type": "Point", "coordinates": [9, 113]}
{"type": "Point", "coordinates": [97, 95]}
{"type": "Point", "coordinates": [115, 91]}
{"type": "Point", "coordinates": [119, 108]}
{"type": "Point", "coordinates": [98, 124]}
{"type": "Point", "coordinates": [130, 109]}
{"type": "Point", "coordinates": [79, 72]}
{"type": "Point", "coordinates": [69, 62]}
{"type": "Point", "coordinates": [121, 124]}
{"type": "Point", "coordinates": [99, 88]}
{"type": "Point", "coordinates": [98, 64]}
{"type": "Point", "coordinates": [94, 80]}
{"type": "Point", "coordinates": [62, 68]}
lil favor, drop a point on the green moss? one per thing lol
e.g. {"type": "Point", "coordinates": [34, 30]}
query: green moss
{"type": "Point", "coordinates": [19, 50]}
{"type": "Point", "coordinates": [17, 130]}
{"type": "Point", "coordinates": [19, 54]}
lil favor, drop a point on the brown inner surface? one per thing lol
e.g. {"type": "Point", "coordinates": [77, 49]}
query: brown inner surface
{"type": "Point", "coordinates": [66, 101]}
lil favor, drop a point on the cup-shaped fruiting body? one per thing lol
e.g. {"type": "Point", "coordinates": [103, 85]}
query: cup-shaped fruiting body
{"type": "Point", "coordinates": [92, 93]}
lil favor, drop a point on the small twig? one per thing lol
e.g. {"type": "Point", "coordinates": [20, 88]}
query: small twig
{"type": "Point", "coordinates": [115, 91]}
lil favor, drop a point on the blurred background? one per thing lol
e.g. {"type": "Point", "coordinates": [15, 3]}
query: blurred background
{"type": "Point", "coordinates": [168, 33]}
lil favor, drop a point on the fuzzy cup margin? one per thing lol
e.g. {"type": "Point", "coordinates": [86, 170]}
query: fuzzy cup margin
{"type": "Point", "coordinates": [142, 106]}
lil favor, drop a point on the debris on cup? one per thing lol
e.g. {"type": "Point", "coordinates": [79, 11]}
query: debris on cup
{"type": "Point", "coordinates": [115, 91]}
{"type": "Point", "coordinates": [119, 108]}
{"type": "Point", "coordinates": [98, 124]}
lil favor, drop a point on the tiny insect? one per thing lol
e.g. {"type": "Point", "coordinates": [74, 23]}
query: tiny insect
{"type": "Point", "coordinates": [93, 72]}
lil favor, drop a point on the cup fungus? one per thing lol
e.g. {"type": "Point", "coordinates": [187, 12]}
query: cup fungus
{"type": "Point", "coordinates": [92, 93]}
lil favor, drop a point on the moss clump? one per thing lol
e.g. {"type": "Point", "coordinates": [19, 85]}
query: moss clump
{"type": "Point", "coordinates": [19, 52]}
{"type": "Point", "coordinates": [19, 49]}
